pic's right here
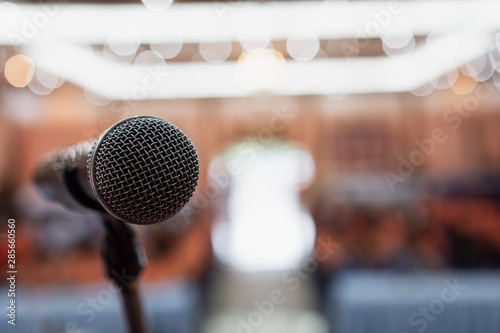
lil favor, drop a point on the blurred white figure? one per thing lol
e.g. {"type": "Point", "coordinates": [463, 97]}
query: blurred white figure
{"type": "Point", "coordinates": [266, 228]}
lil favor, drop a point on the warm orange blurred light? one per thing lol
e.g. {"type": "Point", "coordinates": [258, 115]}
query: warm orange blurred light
{"type": "Point", "coordinates": [463, 85]}
{"type": "Point", "coordinates": [19, 70]}
{"type": "Point", "coordinates": [261, 69]}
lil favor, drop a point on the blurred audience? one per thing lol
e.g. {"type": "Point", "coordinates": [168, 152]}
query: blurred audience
{"type": "Point", "coordinates": [436, 232]}
{"type": "Point", "coordinates": [55, 246]}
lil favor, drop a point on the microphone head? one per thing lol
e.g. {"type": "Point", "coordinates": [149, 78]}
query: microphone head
{"type": "Point", "coordinates": [143, 170]}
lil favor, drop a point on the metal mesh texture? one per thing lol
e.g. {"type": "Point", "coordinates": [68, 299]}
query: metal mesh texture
{"type": "Point", "coordinates": [145, 170]}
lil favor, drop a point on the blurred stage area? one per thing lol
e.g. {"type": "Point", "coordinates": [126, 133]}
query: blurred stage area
{"type": "Point", "coordinates": [349, 163]}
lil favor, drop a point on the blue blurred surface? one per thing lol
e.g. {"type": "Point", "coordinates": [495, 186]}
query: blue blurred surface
{"type": "Point", "coordinates": [169, 307]}
{"type": "Point", "coordinates": [373, 302]}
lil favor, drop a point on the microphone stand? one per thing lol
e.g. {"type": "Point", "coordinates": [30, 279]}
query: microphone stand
{"type": "Point", "coordinates": [124, 259]}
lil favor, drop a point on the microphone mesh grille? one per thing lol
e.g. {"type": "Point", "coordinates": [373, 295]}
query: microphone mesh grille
{"type": "Point", "coordinates": [145, 170]}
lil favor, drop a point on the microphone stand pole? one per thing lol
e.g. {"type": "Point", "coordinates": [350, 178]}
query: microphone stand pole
{"type": "Point", "coordinates": [123, 260]}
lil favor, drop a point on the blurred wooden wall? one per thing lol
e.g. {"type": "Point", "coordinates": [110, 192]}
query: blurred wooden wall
{"type": "Point", "coordinates": [356, 134]}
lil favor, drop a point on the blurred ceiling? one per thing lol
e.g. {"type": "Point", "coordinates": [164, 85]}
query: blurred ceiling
{"type": "Point", "coordinates": [242, 48]}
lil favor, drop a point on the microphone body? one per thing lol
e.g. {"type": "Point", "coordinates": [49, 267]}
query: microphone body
{"type": "Point", "coordinates": [63, 177]}
{"type": "Point", "coordinates": [141, 170]}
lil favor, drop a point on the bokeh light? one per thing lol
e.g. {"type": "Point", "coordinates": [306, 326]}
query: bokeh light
{"type": "Point", "coordinates": [464, 85]}
{"type": "Point", "coordinates": [19, 70]}
{"type": "Point", "coordinates": [302, 44]}
{"type": "Point", "coordinates": [397, 34]}
{"type": "Point", "coordinates": [496, 80]}
{"type": "Point", "coordinates": [445, 81]}
{"type": "Point", "coordinates": [405, 50]}
{"type": "Point", "coordinates": [424, 90]}
{"type": "Point", "coordinates": [254, 35]}
{"type": "Point", "coordinates": [112, 57]}
{"type": "Point", "coordinates": [124, 40]}
{"type": "Point", "coordinates": [494, 56]}
{"type": "Point", "coordinates": [170, 49]}
{"type": "Point", "coordinates": [146, 63]}
{"type": "Point", "coordinates": [261, 69]}
{"type": "Point", "coordinates": [480, 68]}
{"type": "Point", "coordinates": [215, 52]}
{"type": "Point", "coordinates": [38, 88]}
{"type": "Point", "coordinates": [149, 57]}
{"type": "Point", "coordinates": [443, 44]}
{"type": "Point", "coordinates": [46, 79]}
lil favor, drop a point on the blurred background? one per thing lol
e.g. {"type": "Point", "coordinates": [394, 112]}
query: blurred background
{"type": "Point", "coordinates": [349, 162]}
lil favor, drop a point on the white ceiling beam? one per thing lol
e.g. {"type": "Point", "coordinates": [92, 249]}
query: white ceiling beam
{"type": "Point", "coordinates": [21, 24]}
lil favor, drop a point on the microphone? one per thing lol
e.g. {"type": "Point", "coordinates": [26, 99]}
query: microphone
{"type": "Point", "coordinates": [141, 170]}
